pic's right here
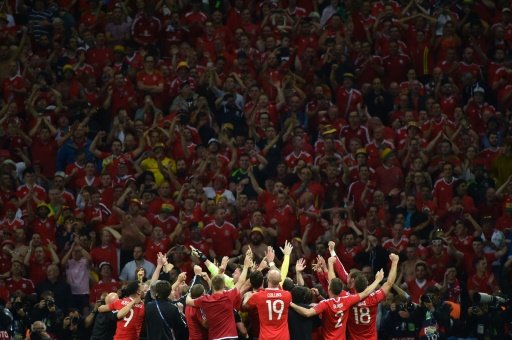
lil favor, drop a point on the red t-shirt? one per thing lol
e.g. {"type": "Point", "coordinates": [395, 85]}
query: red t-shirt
{"type": "Point", "coordinates": [362, 317]}
{"type": "Point", "coordinates": [486, 284]}
{"type": "Point", "coordinates": [272, 305]}
{"type": "Point", "coordinates": [443, 192]}
{"type": "Point", "coordinates": [106, 254]}
{"type": "Point", "coordinates": [45, 228]}
{"type": "Point", "coordinates": [286, 222]}
{"type": "Point", "coordinates": [128, 328]}
{"type": "Point", "coordinates": [153, 248]}
{"type": "Point", "coordinates": [415, 291]}
{"type": "Point", "coordinates": [334, 318]}
{"type": "Point", "coordinates": [195, 317]}
{"type": "Point", "coordinates": [223, 237]}
{"type": "Point", "coordinates": [218, 309]}
{"type": "Point", "coordinates": [24, 285]}
{"type": "Point", "coordinates": [103, 287]}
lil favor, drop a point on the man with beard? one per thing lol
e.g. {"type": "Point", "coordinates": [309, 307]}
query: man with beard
{"type": "Point", "coordinates": [256, 244]}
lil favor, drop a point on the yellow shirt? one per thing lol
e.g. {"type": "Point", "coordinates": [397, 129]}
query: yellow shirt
{"type": "Point", "coordinates": [150, 164]}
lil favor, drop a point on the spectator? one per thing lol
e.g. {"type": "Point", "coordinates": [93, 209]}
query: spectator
{"type": "Point", "coordinates": [60, 289]}
{"type": "Point", "coordinates": [129, 271]}
{"type": "Point", "coordinates": [419, 286]}
{"type": "Point", "coordinates": [77, 264]}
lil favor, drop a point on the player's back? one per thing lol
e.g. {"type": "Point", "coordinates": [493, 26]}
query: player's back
{"type": "Point", "coordinates": [334, 315]}
{"type": "Point", "coordinates": [130, 326]}
{"type": "Point", "coordinates": [362, 319]}
{"type": "Point", "coordinates": [273, 305]}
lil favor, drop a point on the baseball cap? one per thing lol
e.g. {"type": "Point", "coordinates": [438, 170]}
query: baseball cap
{"type": "Point", "coordinates": [158, 145]}
{"type": "Point", "coordinates": [257, 230]}
{"type": "Point", "coordinates": [386, 153]}
{"type": "Point", "coordinates": [105, 263]}
{"type": "Point", "coordinates": [361, 151]}
{"type": "Point", "coordinates": [182, 64]}
{"type": "Point", "coordinates": [478, 89]}
{"type": "Point", "coordinates": [68, 67]}
{"type": "Point", "coordinates": [166, 207]}
{"type": "Point", "coordinates": [60, 174]}
{"type": "Point", "coordinates": [119, 48]}
{"type": "Point", "coordinates": [413, 124]}
{"type": "Point", "coordinates": [135, 201]}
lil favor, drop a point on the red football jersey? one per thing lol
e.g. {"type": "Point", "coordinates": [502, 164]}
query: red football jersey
{"type": "Point", "coordinates": [272, 305]}
{"type": "Point", "coordinates": [223, 237]}
{"type": "Point", "coordinates": [334, 318]}
{"type": "Point", "coordinates": [26, 286]}
{"type": "Point", "coordinates": [128, 328]}
{"type": "Point", "coordinates": [218, 309]}
{"type": "Point", "coordinates": [362, 317]}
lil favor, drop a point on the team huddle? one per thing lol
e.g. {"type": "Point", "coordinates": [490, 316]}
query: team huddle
{"type": "Point", "coordinates": [211, 308]}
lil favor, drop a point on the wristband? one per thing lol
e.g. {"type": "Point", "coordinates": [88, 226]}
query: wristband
{"type": "Point", "coordinates": [333, 253]}
{"type": "Point", "coordinates": [272, 264]}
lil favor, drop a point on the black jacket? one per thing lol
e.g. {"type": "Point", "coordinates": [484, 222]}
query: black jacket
{"type": "Point", "coordinates": [166, 324]}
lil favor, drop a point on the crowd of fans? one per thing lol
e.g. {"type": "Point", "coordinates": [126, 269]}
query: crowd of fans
{"type": "Point", "coordinates": [133, 128]}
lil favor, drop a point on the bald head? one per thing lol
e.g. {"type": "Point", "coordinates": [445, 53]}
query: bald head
{"type": "Point", "coordinates": [274, 277]}
{"type": "Point", "coordinates": [111, 297]}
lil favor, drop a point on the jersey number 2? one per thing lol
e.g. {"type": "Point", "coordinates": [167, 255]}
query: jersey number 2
{"type": "Point", "coordinates": [338, 315]}
{"type": "Point", "coordinates": [275, 306]}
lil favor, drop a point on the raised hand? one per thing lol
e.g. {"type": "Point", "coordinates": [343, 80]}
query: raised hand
{"type": "Point", "coordinates": [331, 246]}
{"type": "Point", "coordinates": [287, 248]}
{"type": "Point", "coordinates": [248, 261]}
{"type": "Point", "coordinates": [394, 257]}
{"type": "Point", "coordinates": [321, 262]}
{"type": "Point", "coordinates": [161, 260]}
{"type": "Point", "coordinates": [182, 277]}
{"type": "Point", "coordinates": [300, 265]}
{"type": "Point", "coordinates": [270, 254]}
{"type": "Point", "coordinates": [224, 262]}
{"type": "Point", "coordinates": [380, 275]}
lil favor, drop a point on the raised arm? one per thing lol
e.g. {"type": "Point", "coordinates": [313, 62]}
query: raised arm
{"type": "Point", "coordinates": [161, 259]}
{"type": "Point", "coordinates": [299, 268]}
{"type": "Point", "coordinates": [247, 264]}
{"type": "Point", "coordinates": [386, 287]}
{"type": "Point", "coordinates": [338, 266]}
{"type": "Point", "coordinates": [330, 265]}
{"type": "Point", "coordinates": [93, 147]}
{"type": "Point", "coordinates": [286, 260]}
{"type": "Point", "coordinates": [378, 278]}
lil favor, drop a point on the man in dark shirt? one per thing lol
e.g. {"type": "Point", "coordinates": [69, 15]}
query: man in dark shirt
{"type": "Point", "coordinates": [301, 327]}
{"type": "Point", "coordinates": [60, 289]}
{"type": "Point", "coordinates": [164, 321]}
{"type": "Point", "coordinates": [105, 323]}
